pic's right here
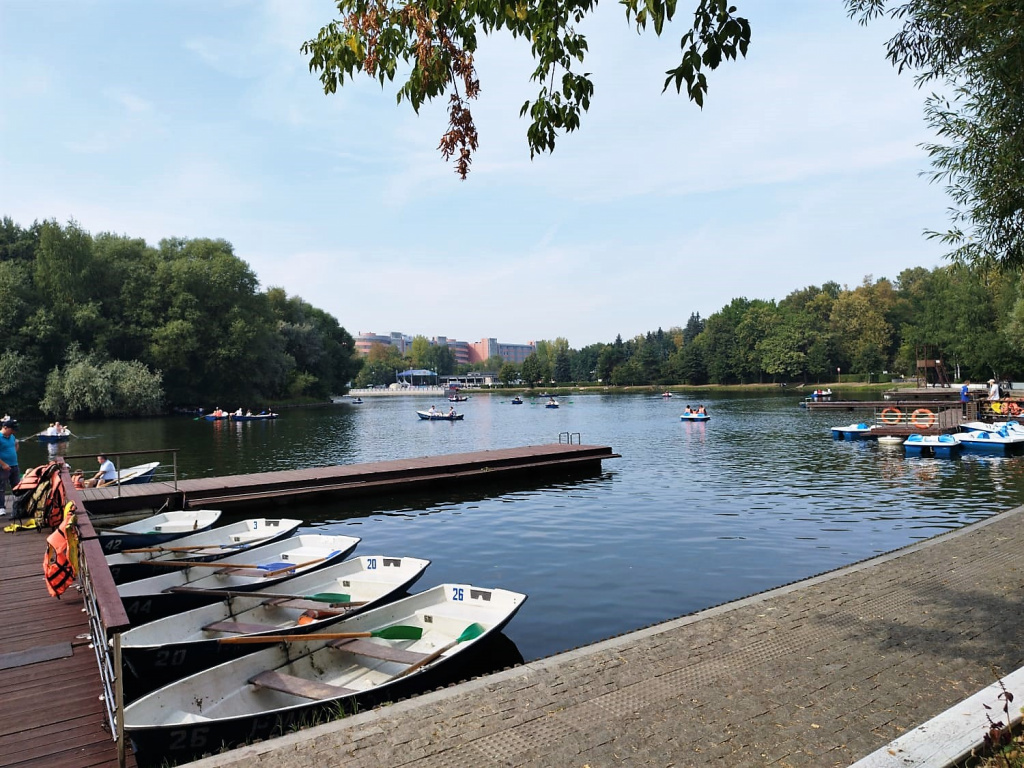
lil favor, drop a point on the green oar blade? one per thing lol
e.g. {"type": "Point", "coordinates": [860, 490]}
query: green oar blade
{"type": "Point", "coordinates": [330, 597]}
{"type": "Point", "coordinates": [471, 632]}
{"type": "Point", "coordinates": [399, 632]}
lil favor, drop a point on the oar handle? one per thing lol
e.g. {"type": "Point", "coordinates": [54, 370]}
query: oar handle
{"type": "Point", "coordinates": [290, 638]}
{"type": "Point", "coordinates": [426, 659]}
{"type": "Point", "coordinates": [193, 563]}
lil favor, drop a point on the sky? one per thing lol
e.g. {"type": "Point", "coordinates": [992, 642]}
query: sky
{"type": "Point", "coordinates": [200, 118]}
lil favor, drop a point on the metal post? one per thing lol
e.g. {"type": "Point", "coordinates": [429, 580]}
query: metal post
{"type": "Point", "coordinates": [119, 701]}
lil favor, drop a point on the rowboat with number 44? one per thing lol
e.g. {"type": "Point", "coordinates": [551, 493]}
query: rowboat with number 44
{"type": "Point", "coordinates": [177, 646]}
{"type": "Point", "coordinates": [392, 652]}
{"type": "Point", "coordinates": [259, 567]}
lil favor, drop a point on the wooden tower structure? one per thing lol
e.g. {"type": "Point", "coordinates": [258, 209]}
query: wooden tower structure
{"type": "Point", "coordinates": [930, 370]}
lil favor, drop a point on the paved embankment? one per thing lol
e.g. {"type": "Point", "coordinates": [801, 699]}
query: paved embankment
{"type": "Point", "coordinates": [818, 673]}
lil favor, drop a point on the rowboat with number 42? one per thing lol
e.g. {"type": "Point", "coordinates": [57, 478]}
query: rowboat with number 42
{"type": "Point", "coordinates": [158, 529]}
{"type": "Point", "coordinates": [177, 646]}
{"type": "Point", "coordinates": [395, 651]}
{"type": "Point", "coordinates": [259, 567]}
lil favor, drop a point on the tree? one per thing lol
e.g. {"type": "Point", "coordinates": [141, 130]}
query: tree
{"type": "Point", "coordinates": [976, 48]}
{"type": "Point", "coordinates": [435, 42]}
{"type": "Point", "coordinates": [508, 375]}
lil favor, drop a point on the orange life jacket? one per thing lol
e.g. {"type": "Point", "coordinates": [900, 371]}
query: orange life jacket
{"type": "Point", "coordinates": [56, 563]}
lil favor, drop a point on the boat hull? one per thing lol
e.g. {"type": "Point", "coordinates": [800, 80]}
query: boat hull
{"type": "Point", "coordinates": [53, 438]}
{"type": "Point", "coordinates": [167, 650]}
{"type": "Point", "coordinates": [204, 547]}
{"type": "Point", "coordinates": [438, 416]}
{"type": "Point", "coordinates": [694, 417]}
{"type": "Point", "coordinates": [229, 704]}
{"type": "Point", "coordinates": [161, 529]}
{"type": "Point", "coordinates": [150, 599]}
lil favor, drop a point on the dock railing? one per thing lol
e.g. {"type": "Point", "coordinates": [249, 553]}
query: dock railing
{"type": "Point", "coordinates": [116, 457]}
{"type": "Point", "coordinates": [107, 617]}
{"type": "Point", "coordinates": [924, 419]}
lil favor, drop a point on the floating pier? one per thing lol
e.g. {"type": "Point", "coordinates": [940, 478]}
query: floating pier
{"type": "Point", "coordinates": [348, 480]}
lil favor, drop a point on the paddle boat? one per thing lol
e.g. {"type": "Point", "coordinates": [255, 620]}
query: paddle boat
{"type": "Point", "coordinates": [439, 416]}
{"type": "Point", "coordinates": [385, 654]}
{"type": "Point", "coordinates": [185, 584]}
{"type": "Point", "coordinates": [301, 604]}
{"type": "Point", "coordinates": [859, 431]}
{"type": "Point", "coordinates": [130, 564]}
{"type": "Point", "coordinates": [1001, 442]}
{"type": "Point", "coordinates": [939, 446]}
{"type": "Point", "coordinates": [695, 417]}
{"type": "Point", "coordinates": [157, 529]}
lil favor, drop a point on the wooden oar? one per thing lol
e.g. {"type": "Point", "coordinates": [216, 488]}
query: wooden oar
{"type": "Point", "coordinates": [397, 632]}
{"type": "Point", "coordinates": [471, 632]}
{"type": "Point", "coordinates": [229, 566]}
{"type": "Point", "coordinates": [192, 548]}
{"type": "Point", "coordinates": [338, 598]}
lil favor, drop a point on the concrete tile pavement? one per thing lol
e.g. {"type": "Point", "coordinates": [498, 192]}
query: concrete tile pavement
{"type": "Point", "coordinates": [817, 673]}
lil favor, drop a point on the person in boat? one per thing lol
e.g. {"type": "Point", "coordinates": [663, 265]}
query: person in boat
{"type": "Point", "coordinates": [249, 412]}
{"type": "Point", "coordinates": [432, 410]}
{"type": "Point", "coordinates": [701, 411]}
{"type": "Point", "coordinates": [451, 412]}
{"type": "Point", "coordinates": [51, 431]}
{"type": "Point", "coordinates": [107, 473]}
{"type": "Point", "coordinates": [239, 411]}
{"type": "Point", "coordinates": [62, 429]}
{"type": "Point", "coordinates": [551, 401]}
{"type": "Point", "coordinates": [688, 410]}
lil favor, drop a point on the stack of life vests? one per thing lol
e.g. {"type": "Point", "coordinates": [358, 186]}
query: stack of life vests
{"type": "Point", "coordinates": [41, 496]}
{"type": "Point", "coordinates": [60, 563]}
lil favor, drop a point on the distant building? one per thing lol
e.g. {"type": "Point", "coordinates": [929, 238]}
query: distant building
{"type": "Point", "coordinates": [465, 353]}
{"type": "Point", "coordinates": [510, 353]}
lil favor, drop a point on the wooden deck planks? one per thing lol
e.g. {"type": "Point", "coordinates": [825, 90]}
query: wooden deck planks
{"type": "Point", "coordinates": [348, 479]}
{"type": "Point", "coordinates": [50, 711]}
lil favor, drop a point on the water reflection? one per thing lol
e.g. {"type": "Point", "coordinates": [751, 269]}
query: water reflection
{"type": "Point", "coordinates": [691, 515]}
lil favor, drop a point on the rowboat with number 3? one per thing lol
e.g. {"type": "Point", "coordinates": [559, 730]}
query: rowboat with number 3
{"type": "Point", "coordinates": [158, 529]}
{"type": "Point", "coordinates": [139, 562]}
{"type": "Point", "coordinates": [168, 649]}
{"type": "Point", "coordinates": [386, 654]}
{"type": "Point", "coordinates": [159, 596]}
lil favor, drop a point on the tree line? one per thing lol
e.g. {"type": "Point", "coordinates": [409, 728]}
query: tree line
{"type": "Point", "coordinates": [972, 320]}
{"type": "Point", "coordinates": [107, 325]}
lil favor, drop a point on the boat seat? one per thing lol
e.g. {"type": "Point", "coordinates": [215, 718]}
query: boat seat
{"type": "Point", "coordinates": [238, 627]}
{"type": "Point", "coordinates": [377, 651]}
{"type": "Point", "coordinates": [299, 686]}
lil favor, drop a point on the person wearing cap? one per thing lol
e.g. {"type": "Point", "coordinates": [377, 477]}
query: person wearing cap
{"type": "Point", "coordinates": [8, 461]}
{"type": "Point", "coordinates": [993, 390]}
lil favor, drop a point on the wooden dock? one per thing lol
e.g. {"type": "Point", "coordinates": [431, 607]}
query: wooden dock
{"type": "Point", "coordinates": [51, 706]}
{"type": "Point", "coordinates": [254, 490]}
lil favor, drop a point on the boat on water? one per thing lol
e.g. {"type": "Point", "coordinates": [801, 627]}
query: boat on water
{"type": "Point", "coordinates": [439, 416]}
{"type": "Point", "coordinates": [859, 431]}
{"type": "Point", "coordinates": [666, 394]}
{"type": "Point", "coordinates": [552, 403]}
{"type": "Point", "coordinates": [141, 473]}
{"type": "Point", "coordinates": [357, 401]}
{"type": "Point", "coordinates": [890, 440]}
{"type": "Point", "coordinates": [230, 539]}
{"type": "Point", "coordinates": [695, 417]}
{"type": "Point", "coordinates": [1000, 442]}
{"type": "Point", "coordinates": [185, 584]}
{"type": "Point", "coordinates": [44, 438]}
{"type": "Point", "coordinates": [818, 394]}
{"type": "Point", "coordinates": [385, 654]}
{"type": "Point", "coordinates": [265, 416]}
{"type": "Point", "coordinates": [458, 398]}
{"type": "Point", "coordinates": [939, 446]}
{"type": "Point", "coordinates": [302, 604]}
{"type": "Point", "coordinates": [157, 529]}
{"type": "Point", "coordinates": [517, 400]}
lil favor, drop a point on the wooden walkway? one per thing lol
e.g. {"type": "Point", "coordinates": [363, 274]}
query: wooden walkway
{"type": "Point", "coordinates": [51, 712]}
{"type": "Point", "coordinates": [348, 480]}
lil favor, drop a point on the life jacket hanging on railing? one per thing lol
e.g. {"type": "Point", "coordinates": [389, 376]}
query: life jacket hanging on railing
{"type": "Point", "coordinates": [60, 563]}
{"type": "Point", "coordinates": [51, 511]}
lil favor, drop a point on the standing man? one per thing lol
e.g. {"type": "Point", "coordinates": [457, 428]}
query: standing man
{"type": "Point", "coordinates": [993, 390]}
{"type": "Point", "coordinates": [8, 460]}
{"type": "Point", "coordinates": [965, 395]}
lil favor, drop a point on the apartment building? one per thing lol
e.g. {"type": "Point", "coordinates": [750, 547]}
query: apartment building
{"type": "Point", "coordinates": [465, 353]}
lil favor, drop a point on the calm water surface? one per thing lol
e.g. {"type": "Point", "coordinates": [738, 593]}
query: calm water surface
{"type": "Point", "coordinates": [691, 515]}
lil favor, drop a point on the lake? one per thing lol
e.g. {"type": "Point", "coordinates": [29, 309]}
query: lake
{"type": "Point", "coordinates": [692, 515]}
